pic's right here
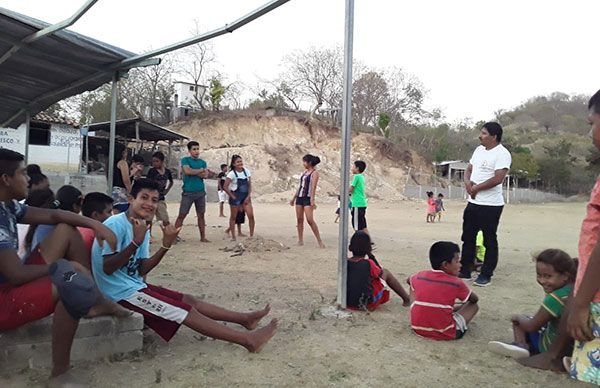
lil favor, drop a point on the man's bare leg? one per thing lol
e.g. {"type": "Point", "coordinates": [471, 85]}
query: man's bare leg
{"type": "Point", "coordinates": [468, 311]}
{"type": "Point", "coordinates": [202, 227]}
{"type": "Point", "coordinates": [552, 359]}
{"type": "Point", "coordinates": [253, 341]}
{"type": "Point", "coordinates": [249, 320]}
{"type": "Point", "coordinates": [63, 332]}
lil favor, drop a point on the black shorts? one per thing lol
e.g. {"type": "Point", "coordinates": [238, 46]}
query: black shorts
{"type": "Point", "coordinates": [359, 220]}
{"type": "Point", "coordinates": [303, 201]}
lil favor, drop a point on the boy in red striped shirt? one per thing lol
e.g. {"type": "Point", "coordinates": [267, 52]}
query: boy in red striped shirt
{"type": "Point", "coordinates": [433, 294]}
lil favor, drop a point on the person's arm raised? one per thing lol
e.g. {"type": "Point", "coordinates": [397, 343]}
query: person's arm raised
{"type": "Point", "coordinates": [115, 261]}
{"type": "Point", "coordinates": [15, 272]}
{"type": "Point", "coordinates": [38, 216]}
{"type": "Point", "coordinates": [170, 233]}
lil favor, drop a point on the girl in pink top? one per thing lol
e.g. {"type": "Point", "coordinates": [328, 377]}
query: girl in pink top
{"type": "Point", "coordinates": [430, 207]}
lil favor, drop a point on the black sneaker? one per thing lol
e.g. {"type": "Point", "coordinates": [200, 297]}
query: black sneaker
{"type": "Point", "coordinates": [466, 276]}
{"type": "Point", "coordinates": [482, 281]}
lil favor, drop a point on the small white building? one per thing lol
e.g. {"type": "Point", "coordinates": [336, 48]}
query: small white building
{"type": "Point", "coordinates": [54, 143]}
{"type": "Point", "coordinates": [186, 98]}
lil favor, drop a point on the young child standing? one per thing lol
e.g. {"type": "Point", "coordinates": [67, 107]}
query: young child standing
{"type": "Point", "coordinates": [556, 272]}
{"type": "Point", "coordinates": [430, 207]}
{"type": "Point", "coordinates": [434, 292]}
{"type": "Point", "coordinates": [439, 206]}
{"type": "Point", "coordinates": [239, 189]}
{"type": "Point", "coordinates": [359, 199]}
{"type": "Point", "coordinates": [220, 189]}
{"type": "Point", "coordinates": [365, 290]}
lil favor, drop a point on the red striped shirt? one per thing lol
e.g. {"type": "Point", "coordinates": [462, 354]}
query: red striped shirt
{"type": "Point", "coordinates": [435, 292]}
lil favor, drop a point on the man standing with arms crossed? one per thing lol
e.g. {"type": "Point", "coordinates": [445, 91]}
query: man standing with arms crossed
{"type": "Point", "coordinates": [194, 172]}
{"type": "Point", "coordinates": [483, 181]}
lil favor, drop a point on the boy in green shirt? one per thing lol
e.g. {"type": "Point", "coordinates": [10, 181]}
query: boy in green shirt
{"type": "Point", "coordinates": [359, 199]}
{"type": "Point", "coordinates": [194, 172]}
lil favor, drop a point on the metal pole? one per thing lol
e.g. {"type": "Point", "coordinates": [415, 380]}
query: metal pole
{"type": "Point", "coordinates": [27, 129]}
{"type": "Point", "coordinates": [113, 130]}
{"type": "Point", "coordinates": [346, 148]}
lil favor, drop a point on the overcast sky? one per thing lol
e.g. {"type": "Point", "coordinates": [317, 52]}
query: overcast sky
{"type": "Point", "coordinates": [474, 57]}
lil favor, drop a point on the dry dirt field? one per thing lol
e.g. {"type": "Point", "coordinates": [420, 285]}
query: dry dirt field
{"type": "Point", "coordinates": [375, 349]}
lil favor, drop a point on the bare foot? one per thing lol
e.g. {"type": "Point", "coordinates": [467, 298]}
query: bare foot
{"type": "Point", "coordinates": [543, 361]}
{"type": "Point", "coordinates": [259, 338]}
{"type": "Point", "coordinates": [241, 235]}
{"type": "Point", "coordinates": [321, 245]}
{"type": "Point", "coordinates": [67, 379]}
{"type": "Point", "coordinates": [255, 317]}
{"type": "Point", "coordinates": [233, 239]}
{"type": "Point", "coordinates": [204, 240]}
{"type": "Point", "coordinates": [300, 243]}
{"type": "Point", "coordinates": [222, 215]}
{"type": "Point", "coordinates": [108, 307]}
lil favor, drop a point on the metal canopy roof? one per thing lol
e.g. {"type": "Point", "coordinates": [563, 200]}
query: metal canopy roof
{"type": "Point", "coordinates": [38, 74]}
{"type": "Point", "coordinates": [147, 131]}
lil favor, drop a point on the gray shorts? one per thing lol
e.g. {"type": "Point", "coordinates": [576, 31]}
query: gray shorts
{"type": "Point", "coordinates": [187, 199]}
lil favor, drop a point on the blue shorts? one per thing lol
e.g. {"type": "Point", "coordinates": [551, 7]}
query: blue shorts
{"type": "Point", "coordinates": [533, 340]}
{"type": "Point", "coordinates": [239, 199]}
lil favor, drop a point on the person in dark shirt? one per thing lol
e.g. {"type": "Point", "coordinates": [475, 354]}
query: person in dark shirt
{"type": "Point", "coordinates": [365, 289]}
{"type": "Point", "coordinates": [162, 175]}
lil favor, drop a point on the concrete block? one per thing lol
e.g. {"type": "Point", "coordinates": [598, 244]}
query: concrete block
{"type": "Point", "coordinates": [91, 348]}
{"type": "Point", "coordinates": [100, 337]}
{"type": "Point", "coordinates": [41, 331]}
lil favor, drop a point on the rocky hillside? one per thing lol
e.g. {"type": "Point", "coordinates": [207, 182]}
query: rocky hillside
{"type": "Point", "coordinates": [272, 148]}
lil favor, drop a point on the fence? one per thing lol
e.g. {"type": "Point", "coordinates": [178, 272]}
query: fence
{"type": "Point", "coordinates": [454, 192]}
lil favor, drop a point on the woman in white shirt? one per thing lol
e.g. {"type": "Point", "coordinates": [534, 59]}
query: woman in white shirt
{"type": "Point", "coordinates": [239, 189]}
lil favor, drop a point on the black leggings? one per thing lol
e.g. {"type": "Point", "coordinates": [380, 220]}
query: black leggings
{"type": "Point", "coordinates": [486, 219]}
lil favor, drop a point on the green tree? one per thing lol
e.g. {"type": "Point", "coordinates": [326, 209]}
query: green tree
{"type": "Point", "coordinates": [217, 91]}
{"type": "Point", "coordinates": [383, 122]}
{"type": "Point", "coordinates": [555, 174]}
{"type": "Point", "coordinates": [524, 166]}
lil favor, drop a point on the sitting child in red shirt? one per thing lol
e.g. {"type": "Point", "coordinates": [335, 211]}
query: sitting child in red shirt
{"type": "Point", "coordinates": [365, 289]}
{"type": "Point", "coordinates": [434, 292]}
{"type": "Point", "coordinates": [97, 206]}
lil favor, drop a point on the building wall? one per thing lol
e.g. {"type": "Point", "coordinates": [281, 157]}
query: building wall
{"type": "Point", "coordinates": [185, 96]}
{"type": "Point", "coordinates": [62, 155]}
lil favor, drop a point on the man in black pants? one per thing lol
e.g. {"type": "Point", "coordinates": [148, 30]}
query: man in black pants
{"type": "Point", "coordinates": [483, 180]}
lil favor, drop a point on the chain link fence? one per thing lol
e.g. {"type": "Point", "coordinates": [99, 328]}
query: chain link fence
{"type": "Point", "coordinates": [515, 195]}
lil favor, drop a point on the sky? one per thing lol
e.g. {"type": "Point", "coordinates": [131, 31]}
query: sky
{"type": "Point", "coordinates": [474, 57]}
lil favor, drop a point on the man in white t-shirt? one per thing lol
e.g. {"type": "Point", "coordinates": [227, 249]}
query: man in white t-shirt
{"type": "Point", "coordinates": [483, 180]}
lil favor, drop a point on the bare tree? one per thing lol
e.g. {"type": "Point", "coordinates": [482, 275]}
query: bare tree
{"type": "Point", "coordinates": [316, 74]}
{"type": "Point", "coordinates": [194, 62]}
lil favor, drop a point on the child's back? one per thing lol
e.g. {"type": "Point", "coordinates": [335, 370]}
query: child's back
{"type": "Point", "coordinates": [435, 292]}
{"type": "Point", "coordinates": [365, 289]}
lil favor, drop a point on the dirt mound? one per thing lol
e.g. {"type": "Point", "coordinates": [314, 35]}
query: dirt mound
{"type": "Point", "coordinates": [272, 148]}
{"type": "Point", "coordinates": [255, 245]}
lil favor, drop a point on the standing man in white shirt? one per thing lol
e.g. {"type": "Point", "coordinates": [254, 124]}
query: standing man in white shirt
{"type": "Point", "coordinates": [483, 180]}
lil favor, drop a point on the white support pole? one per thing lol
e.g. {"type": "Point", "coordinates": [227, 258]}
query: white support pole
{"type": "Point", "coordinates": [27, 130]}
{"type": "Point", "coordinates": [113, 131]}
{"type": "Point", "coordinates": [346, 149]}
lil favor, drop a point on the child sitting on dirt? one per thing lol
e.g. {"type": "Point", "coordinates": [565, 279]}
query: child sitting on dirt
{"type": "Point", "coordinates": [365, 290]}
{"type": "Point", "coordinates": [556, 272]}
{"type": "Point", "coordinates": [120, 276]}
{"type": "Point", "coordinates": [434, 292]}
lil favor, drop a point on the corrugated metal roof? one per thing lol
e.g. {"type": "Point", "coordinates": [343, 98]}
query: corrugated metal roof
{"type": "Point", "coordinates": [126, 129]}
{"type": "Point", "coordinates": [50, 69]}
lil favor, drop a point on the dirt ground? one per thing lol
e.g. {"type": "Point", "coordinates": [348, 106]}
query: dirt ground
{"type": "Point", "coordinates": [376, 349]}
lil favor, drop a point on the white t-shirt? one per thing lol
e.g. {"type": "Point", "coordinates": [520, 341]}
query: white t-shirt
{"type": "Point", "coordinates": [240, 174]}
{"type": "Point", "coordinates": [485, 163]}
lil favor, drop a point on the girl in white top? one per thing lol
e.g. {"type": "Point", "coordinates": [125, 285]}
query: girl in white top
{"type": "Point", "coordinates": [239, 189]}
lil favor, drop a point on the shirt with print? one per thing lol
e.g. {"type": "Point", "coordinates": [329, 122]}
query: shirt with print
{"type": "Point", "coordinates": [485, 164]}
{"type": "Point", "coordinates": [11, 214]}
{"type": "Point", "coordinates": [234, 175]}
{"type": "Point", "coordinates": [435, 292]}
{"type": "Point", "coordinates": [162, 180]}
{"type": "Point", "coordinates": [125, 281]}
{"type": "Point", "coordinates": [359, 199]}
{"type": "Point", "coordinates": [221, 180]}
{"type": "Point", "coordinates": [588, 237]}
{"type": "Point", "coordinates": [554, 303]}
{"type": "Point", "coordinates": [193, 183]}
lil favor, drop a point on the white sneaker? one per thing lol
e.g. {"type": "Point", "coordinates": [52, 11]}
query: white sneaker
{"type": "Point", "coordinates": [507, 350]}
